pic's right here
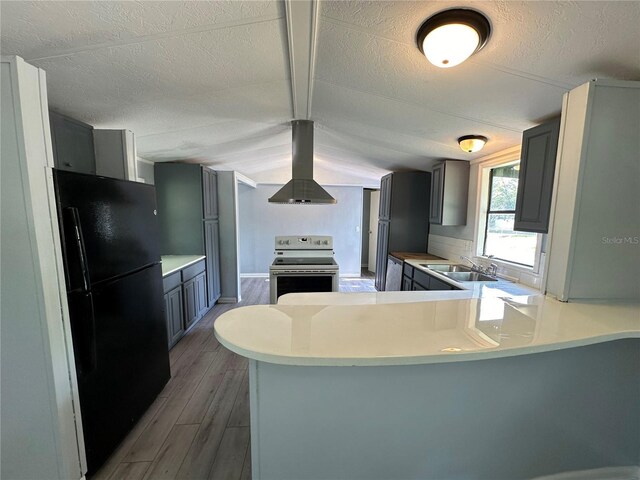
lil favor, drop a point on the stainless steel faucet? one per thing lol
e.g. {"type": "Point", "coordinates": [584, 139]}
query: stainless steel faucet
{"type": "Point", "coordinates": [474, 266]}
{"type": "Point", "coordinates": [491, 270]}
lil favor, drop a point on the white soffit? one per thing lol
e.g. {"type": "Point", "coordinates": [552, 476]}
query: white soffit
{"type": "Point", "coordinates": [210, 81]}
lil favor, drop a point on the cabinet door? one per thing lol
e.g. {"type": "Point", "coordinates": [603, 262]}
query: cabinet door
{"type": "Point", "coordinates": [437, 187]}
{"type": "Point", "coordinates": [535, 181]}
{"type": "Point", "coordinates": [210, 193]}
{"type": "Point", "coordinates": [381, 254]}
{"type": "Point", "coordinates": [72, 144]}
{"type": "Point", "coordinates": [437, 284]}
{"type": "Point", "coordinates": [385, 198]}
{"type": "Point", "coordinates": [201, 294]}
{"type": "Point", "coordinates": [212, 251]}
{"type": "Point", "coordinates": [190, 303]}
{"type": "Point", "coordinates": [173, 312]}
{"type": "Point", "coordinates": [406, 284]}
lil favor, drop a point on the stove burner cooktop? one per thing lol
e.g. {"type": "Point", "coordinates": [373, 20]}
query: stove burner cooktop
{"type": "Point", "coordinates": [304, 261]}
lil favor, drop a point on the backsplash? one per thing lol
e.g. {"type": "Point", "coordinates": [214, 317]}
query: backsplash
{"type": "Point", "coordinates": [449, 248]}
{"type": "Point", "coordinates": [453, 248]}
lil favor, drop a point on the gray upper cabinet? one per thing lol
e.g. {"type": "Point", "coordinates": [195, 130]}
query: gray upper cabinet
{"type": "Point", "coordinates": [435, 205]}
{"type": "Point", "coordinates": [72, 143]}
{"type": "Point", "coordinates": [385, 197]}
{"type": "Point", "coordinates": [449, 193]}
{"type": "Point", "coordinates": [535, 181]}
{"type": "Point", "coordinates": [115, 154]}
{"type": "Point", "coordinates": [210, 193]}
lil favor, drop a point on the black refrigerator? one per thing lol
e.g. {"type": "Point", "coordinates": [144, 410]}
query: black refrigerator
{"type": "Point", "coordinates": [109, 233]}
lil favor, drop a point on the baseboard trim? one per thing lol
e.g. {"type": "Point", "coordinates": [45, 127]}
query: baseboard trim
{"type": "Point", "coordinates": [228, 300]}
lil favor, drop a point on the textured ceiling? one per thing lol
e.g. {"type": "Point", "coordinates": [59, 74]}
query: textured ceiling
{"type": "Point", "coordinates": [209, 82]}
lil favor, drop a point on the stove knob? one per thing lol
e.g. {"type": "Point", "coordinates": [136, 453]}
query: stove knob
{"type": "Point", "coordinates": [326, 242]}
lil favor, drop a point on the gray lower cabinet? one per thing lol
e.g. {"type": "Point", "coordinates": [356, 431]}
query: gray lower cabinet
{"type": "Point", "coordinates": [173, 306]}
{"type": "Point", "coordinates": [212, 251]}
{"type": "Point", "coordinates": [414, 279]}
{"type": "Point", "coordinates": [381, 256]}
{"type": "Point", "coordinates": [185, 299]}
{"type": "Point", "coordinates": [190, 303]}
{"type": "Point", "coordinates": [201, 294]}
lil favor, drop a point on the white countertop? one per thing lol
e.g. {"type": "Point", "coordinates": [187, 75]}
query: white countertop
{"type": "Point", "coordinates": [173, 263]}
{"type": "Point", "coordinates": [497, 288]}
{"type": "Point", "coordinates": [419, 333]}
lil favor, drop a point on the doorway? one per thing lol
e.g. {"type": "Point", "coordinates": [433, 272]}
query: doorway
{"type": "Point", "coordinates": [374, 205]}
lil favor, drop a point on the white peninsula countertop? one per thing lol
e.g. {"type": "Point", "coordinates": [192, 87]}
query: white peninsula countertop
{"type": "Point", "coordinates": [421, 332]}
{"type": "Point", "coordinates": [173, 263]}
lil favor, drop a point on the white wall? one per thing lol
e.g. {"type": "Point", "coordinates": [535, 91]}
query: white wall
{"type": "Point", "coordinates": [261, 222]}
{"type": "Point", "coordinates": [39, 391]}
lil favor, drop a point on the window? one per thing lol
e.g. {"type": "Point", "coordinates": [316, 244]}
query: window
{"type": "Point", "coordinates": [500, 240]}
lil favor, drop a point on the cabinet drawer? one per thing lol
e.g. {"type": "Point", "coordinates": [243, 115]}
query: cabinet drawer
{"type": "Point", "coordinates": [407, 270]}
{"type": "Point", "coordinates": [192, 270]}
{"type": "Point", "coordinates": [422, 278]}
{"type": "Point", "coordinates": [171, 281]}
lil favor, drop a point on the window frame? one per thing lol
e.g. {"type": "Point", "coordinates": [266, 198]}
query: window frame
{"type": "Point", "coordinates": [489, 212]}
{"type": "Point", "coordinates": [484, 165]}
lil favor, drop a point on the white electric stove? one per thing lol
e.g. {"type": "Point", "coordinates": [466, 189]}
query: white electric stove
{"type": "Point", "coordinates": [303, 264]}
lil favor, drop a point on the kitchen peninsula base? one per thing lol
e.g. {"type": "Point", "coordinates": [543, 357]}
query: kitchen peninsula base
{"type": "Point", "coordinates": [502, 418]}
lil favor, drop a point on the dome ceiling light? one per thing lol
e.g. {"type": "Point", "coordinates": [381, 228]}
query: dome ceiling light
{"type": "Point", "coordinates": [450, 37]}
{"type": "Point", "coordinates": [472, 143]}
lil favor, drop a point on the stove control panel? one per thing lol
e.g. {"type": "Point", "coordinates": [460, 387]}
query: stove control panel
{"type": "Point", "coordinates": [311, 242]}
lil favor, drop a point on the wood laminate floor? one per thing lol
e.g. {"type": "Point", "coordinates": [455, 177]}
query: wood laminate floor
{"type": "Point", "coordinates": [198, 427]}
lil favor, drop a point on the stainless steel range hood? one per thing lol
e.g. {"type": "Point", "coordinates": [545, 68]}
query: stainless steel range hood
{"type": "Point", "coordinates": [302, 189]}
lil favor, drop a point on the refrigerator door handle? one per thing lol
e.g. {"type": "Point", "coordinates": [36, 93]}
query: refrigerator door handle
{"type": "Point", "coordinates": [83, 327]}
{"type": "Point", "coordinates": [82, 253]}
{"type": "Point", "coordinates": [90, 340]}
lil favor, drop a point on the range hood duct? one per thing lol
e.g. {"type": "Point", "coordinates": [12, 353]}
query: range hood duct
{"type": "Point", "coordinates": [302, 189]}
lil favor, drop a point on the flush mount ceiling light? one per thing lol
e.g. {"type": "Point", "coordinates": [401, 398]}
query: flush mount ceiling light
{"type": "Point", "coordinates": [450, 37]}
{"type": "Point", "coordinates": [472, 143]}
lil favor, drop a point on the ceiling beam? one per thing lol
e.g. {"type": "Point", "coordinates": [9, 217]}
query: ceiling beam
{"type": "Point", "coordinates": [302, 35]}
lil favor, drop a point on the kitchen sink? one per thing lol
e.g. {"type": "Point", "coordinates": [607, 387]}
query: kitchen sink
{"type": "Point", "coordinates": [446, 268]}
{"type": "Point", "coordinates": [469, 277]}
